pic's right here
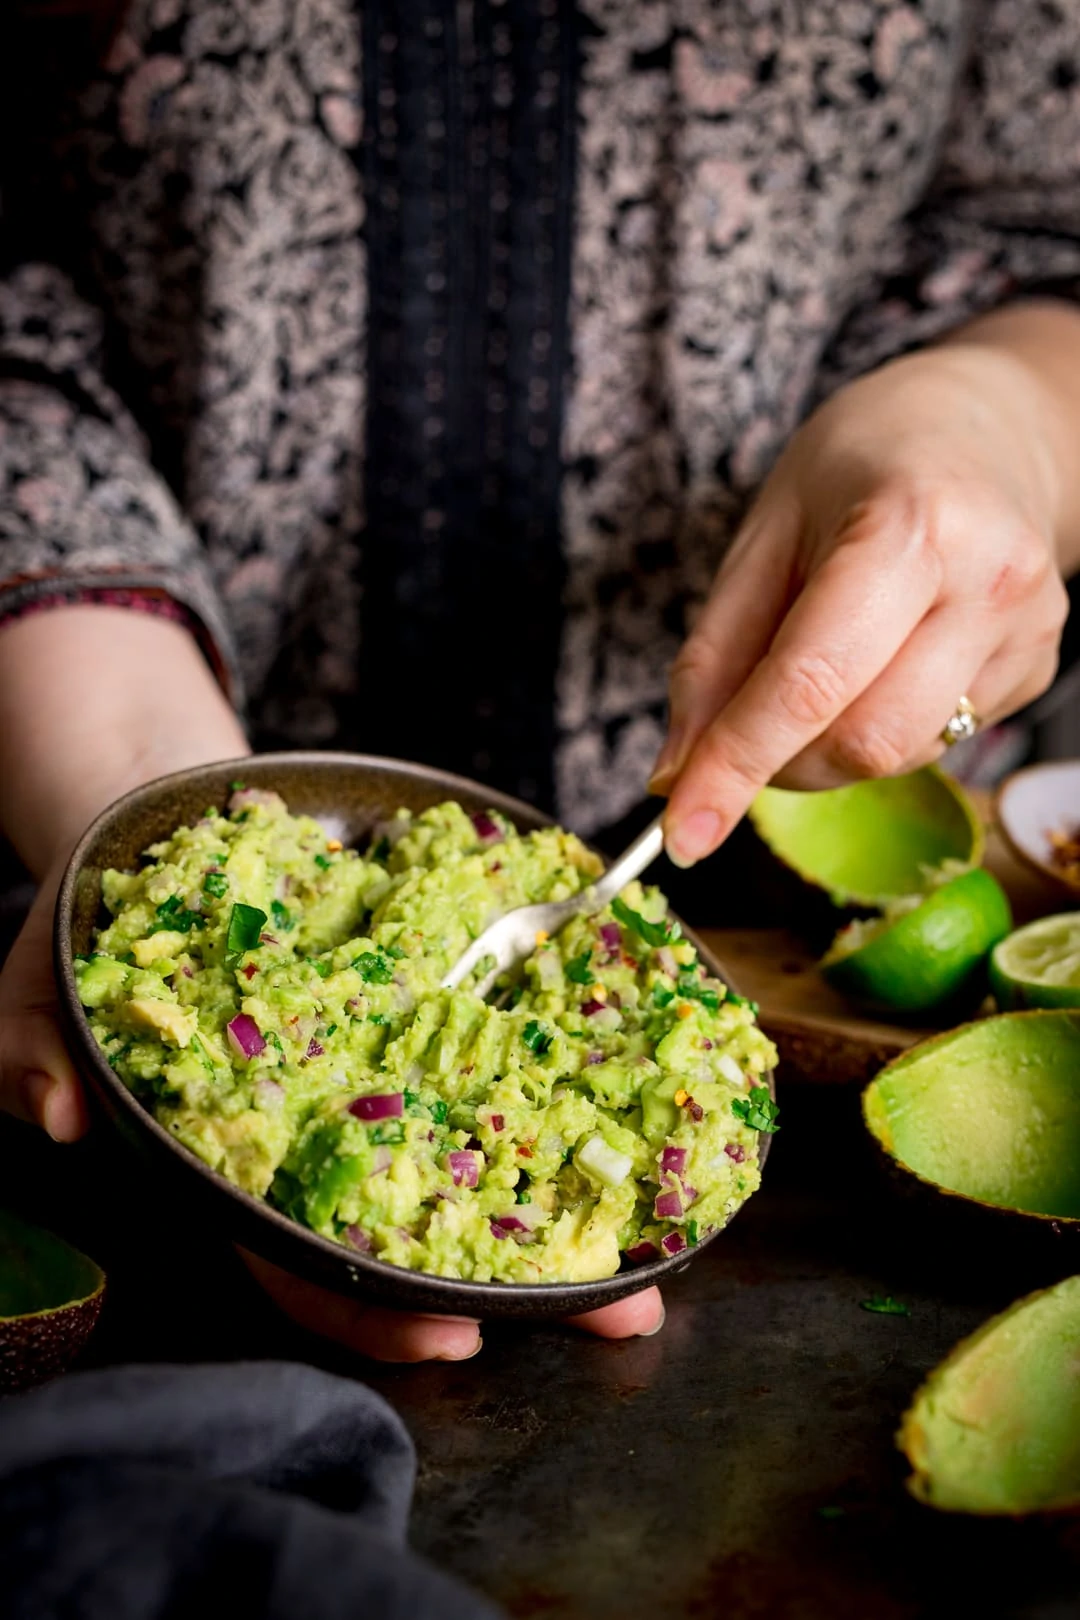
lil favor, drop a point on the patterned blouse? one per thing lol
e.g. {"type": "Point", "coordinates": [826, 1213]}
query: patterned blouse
{"type": "Point", "coordinates": [424, 353]}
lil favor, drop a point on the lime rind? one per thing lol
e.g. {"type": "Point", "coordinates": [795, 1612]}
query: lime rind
{"type": "Point", "coordinates": [1039, 965]}
{"type": "Point", "coordinates": [918, 957]}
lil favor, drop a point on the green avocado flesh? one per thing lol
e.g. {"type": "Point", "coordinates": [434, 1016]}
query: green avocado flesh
{"type": "Point", "coordinates": [991, 1111]}
{"type": "Point", "coordinates": [275, 1000]}
{"type": "Point", "coordinates": [996, 1428]}
{"type": "Point", "coordinates": [873, 841]}
{"type": "Point", "coordinates": [40, 1272]}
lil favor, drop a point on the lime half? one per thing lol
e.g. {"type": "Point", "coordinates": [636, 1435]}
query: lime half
{"type": "Point", "coordinates": [926, 950]}
{"type": "Point", "coordinates": [1039, 966]}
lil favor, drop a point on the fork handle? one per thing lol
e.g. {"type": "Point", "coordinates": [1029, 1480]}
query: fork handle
{"type": "Point", "coordinates": [632, 862]}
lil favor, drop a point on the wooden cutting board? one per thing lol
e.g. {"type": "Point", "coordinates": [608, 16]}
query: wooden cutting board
{"type": "Point", "coordinates": [821, 1037]}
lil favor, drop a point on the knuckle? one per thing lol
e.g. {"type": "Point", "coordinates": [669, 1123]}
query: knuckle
{"type": "Point", "coordinates": [1020, 574]}
{"type": "Point", "coordinates": [868, 751]}
{"type": "Point", "coordinates": [693, 662]}
{"type": "Point", "coordinates": [810, 688]}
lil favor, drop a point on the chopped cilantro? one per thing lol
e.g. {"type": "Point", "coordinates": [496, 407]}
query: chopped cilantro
{"type": "Point", "coordinates": [331, 1029]}
{"type": "Point", "coordinates": [523, 1197]}
{"type": "Point", "coordinates": [237, 787]}
{"type": "Point", "coordinates": [392, 1131]}
{"type": "Point", "coordinates": [275, 1040]}
{"type": "Point", "coordinates": [411, 1098]}
{"type": "Point", "coordinates": [439, 1111]}
{"type": "Point", "coordinates": [373, 967]}
{"type": "Point", "coordinates": [690, 986]}
{"type": "Point", "coordinates": [692, 1233]}
{"type": "Point", "coordinates": [395, 951]}
{"type": "Point", "coordinates": [662, 996]}
{"type": "Point", "coordinates": [216, 883]}
{"type": "Point", "coordinates": [210, 812]}
{"type": "Point", "coordinates": [381, 850]}
{"type": "Point", "coordinates": [173, 916]}
{"type": "Point", "coordinates": [377, 1018]}
{"type": "Point", "coordinates": [743, 1001]}
{"type": "Point", "coordinates": [322, 862]}
{"type": "Point", "coordinates": [282, 916]}
{"type": "Point", "coordinates": [245, 926]}
{"type": "Point", "coordinates": [885, 1305]}
{"type": "Point", "coordinates": [323, 969]}
{"type": "Point", "coordinates": [536, 1037]}
{"type": "Point", "coordinates": [758, 1110]}
{"type": "Point", "coordinates": [578, 968]}
{"type": "Point", "coordinates": [661, 933]}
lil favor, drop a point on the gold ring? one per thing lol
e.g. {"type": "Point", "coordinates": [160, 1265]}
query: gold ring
{"type": "Point", "coordinates": [961, 724]}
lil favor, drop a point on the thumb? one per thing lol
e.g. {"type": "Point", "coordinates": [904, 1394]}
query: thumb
{"type": "Point", "coordinates": [38, 1082]}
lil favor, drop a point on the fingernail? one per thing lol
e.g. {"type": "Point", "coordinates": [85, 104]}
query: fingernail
{"type": "Point", "coordinates": [696, 836]}
{"type": "Point", "coordinates": [666, 762]}
{"type": "Point", "coordinates": [653, 1331]}
{"type": "Point", "coordinates": [37, 1088]}
{"type": "Point", "coordinates": [468, 1357]}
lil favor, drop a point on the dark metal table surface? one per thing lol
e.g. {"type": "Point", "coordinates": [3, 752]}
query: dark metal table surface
{"type": "Point", "coordinates": [739, 1464]}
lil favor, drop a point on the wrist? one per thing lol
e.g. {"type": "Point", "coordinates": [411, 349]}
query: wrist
{"type": "Point", "coordinates": [95, 701]}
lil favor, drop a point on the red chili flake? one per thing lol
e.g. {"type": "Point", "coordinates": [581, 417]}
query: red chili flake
{"type": "Point", "coordinates": [497, 1122]}
{"type": "Point", "coordinates": [695, 1110]}
{"type": "Point", "coordinates": [250, 971]}
{"type": "Point", "coordinates": [496, 866]}
{"type": "Point", "coordinates": [630, 962]}
{"type": "Point", "coordinates": [525, 1151]}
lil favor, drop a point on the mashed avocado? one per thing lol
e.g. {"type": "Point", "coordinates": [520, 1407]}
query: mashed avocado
{"type": "Point", "coordinates": [274, 999]}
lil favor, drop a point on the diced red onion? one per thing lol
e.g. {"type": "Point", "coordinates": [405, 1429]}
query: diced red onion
{"type": "Point", "coordinates": [358, 1238]}
{"type": "Point", "coordinates": [590, 1007]}
{"type": "Point", "coordinates": [707, 1044]}
{"type": "Point", "coordinates": [314, 1048]}
{"type": "Point", "coordinates": [382, 1161]}
{"type": "Point", "coordinates": [689, 1193]}
{"type": "Point", "coordinates": [387, 1105]}
{"type": "Point", "coordinates": [736, 1152]}
{"type": "Point", "coordinates": [673, 1161]}
{"type": "Point", "coordinates": [642, 1253]}
{"type": "Point", "coordinates": [268, 939]}
{"type": "Point", "coordinates": [665, 957]}
{"type": "Point", "coordinates": [512, 1223]}
{"type": "Point", "coordinates": [186, 971]}
{"type": "Point", "coordinates": [498, 1230]}
{"type": "Point", "coordinates": [244, 798]}
{"type": "Point", "coordinates": [244, 1036]}
{"type": "Point", "coordinates": [497, 1122]}
{"type": "Point", "coordinates": [548, 969]}
{"type": "Point", "coordinates": [674, 1243]}
{"type": "Point", "coordinates": [270, 1094]}
{"type": "Point", "coordinates": [463, 1167]}
{"type": "Point", "coordinates": [668, 1206]}
{"type": "Point", "coordinates": [486, 829]}
{"type": "Point", "coordinates": [611, 934]}
{"type": "Point", "coordinates": [594, 1057]}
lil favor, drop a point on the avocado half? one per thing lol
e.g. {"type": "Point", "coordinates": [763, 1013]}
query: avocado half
{"type": "Point", "coordinates": [995, 1429]}
{"type": "Point", "coordinates": [988, 1116]}
{"type": "Point", "coordinates": [872, 842]}
{"type": "Point", "coordinates": [50, 1300]}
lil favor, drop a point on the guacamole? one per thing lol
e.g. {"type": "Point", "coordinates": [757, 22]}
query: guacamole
{"type": "Point", "coordinates": [274, 999]}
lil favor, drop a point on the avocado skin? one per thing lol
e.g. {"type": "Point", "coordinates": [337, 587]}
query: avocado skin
{"type": "Point", "coordinates": [36, 1348]}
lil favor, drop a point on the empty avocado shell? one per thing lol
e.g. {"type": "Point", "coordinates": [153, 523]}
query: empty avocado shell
{"type": "Point", "coordinates": [995, 1429]}
{"type": "Point", "coordinates": [50, 1300]}
{"type": "Point", "coordinates": [875, 841]}
{"type": "Point", "coordinates": [987, 1117]}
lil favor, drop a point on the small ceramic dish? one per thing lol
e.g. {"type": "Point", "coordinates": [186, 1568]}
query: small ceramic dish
{"type": "Point", "coordinates": [348, 794]}
{"type": "Point", "coordinates": [1035, 803]}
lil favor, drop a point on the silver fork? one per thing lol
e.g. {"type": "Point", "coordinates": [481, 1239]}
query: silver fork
{"type": "Point", "coordinates": [512, 937]}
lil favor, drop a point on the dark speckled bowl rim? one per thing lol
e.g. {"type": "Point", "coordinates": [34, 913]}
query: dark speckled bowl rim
{"type": "Point", "coordinates": [335, 1267]}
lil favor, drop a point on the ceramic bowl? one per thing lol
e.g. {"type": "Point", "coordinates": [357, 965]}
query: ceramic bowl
{"type": "Point", "coordinates": [1033, 803]}
{"type": "Point", "coordinates": [348, 794]}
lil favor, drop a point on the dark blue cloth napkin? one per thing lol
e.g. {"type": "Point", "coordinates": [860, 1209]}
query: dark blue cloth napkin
{"type": "Point", "coordinates": [259, 1490]}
